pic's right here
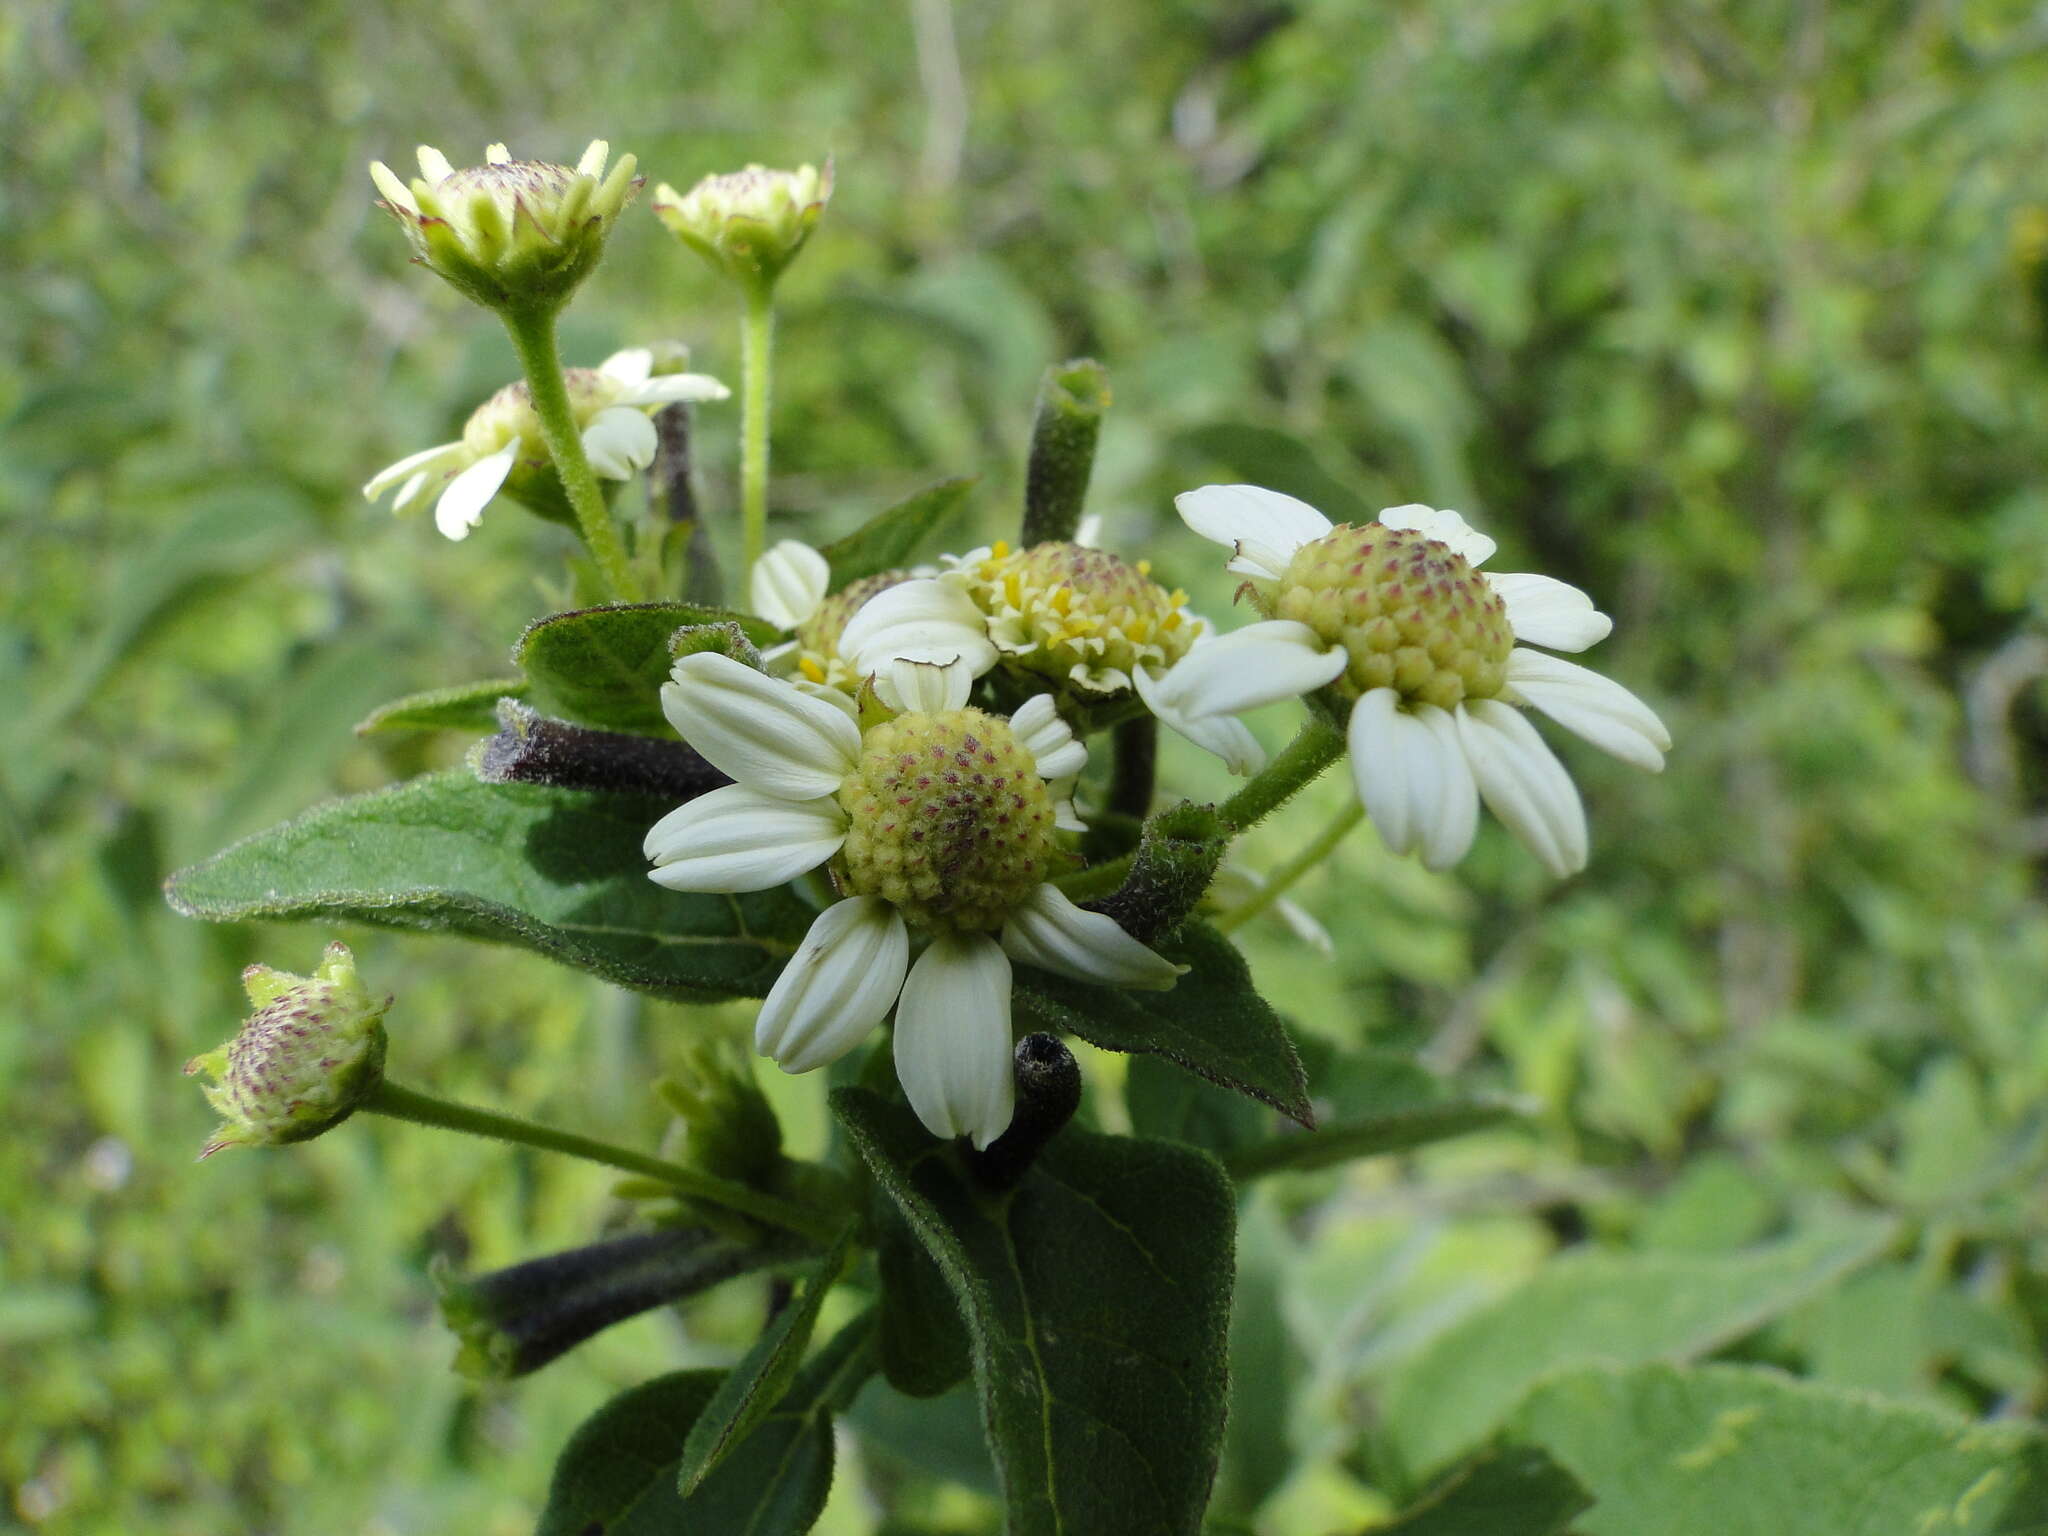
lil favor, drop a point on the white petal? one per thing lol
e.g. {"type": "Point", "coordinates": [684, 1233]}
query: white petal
{"type": "Point", "coordinates": [1589, 705]}
{"type": "Point", "coordinates": [1303, 925]}
{"type": "Point", "coordinates": [1259, 664]}
{"type": "Point", "coordinates": [396, 192]}
{"type": "Point", "coordinates": [1052, 933]}
{"type": "Point", "coordinates": [953, 1047]}
{"type": "Point", "coordinates": [1049, 739]}
{"type": "Point", "coordinates": [1524, 784]}
{"type": "Point", "coordinates": [1444, 527]}
{"type": "Point", "coordinates": [632, 365]}
{"type": "Point", "coordinates": [924, 687]}
{"type": "Point", "coordinates": [434, 165]}
{"type": "Point", "coordinates": [1088, 532]}
{"type": "Point", "coordinates": [407, 467]}
{"type": "Point", "coordinates": [738, 839]}
{"type": "Point", "coordinates": [1412, 778]}
{"type": "Point", "coordinates": [759, 731]}
{"type": "Point", "coordinates": [668, 388]}
{"type": "Point", "coordinates": [1264, 527]}
{"type": "Point", "coordinates": [592, 163]}
{"type": "Point", "coordinates": [618, 441]}
{"type": "Point", "coordinates": [461, 506]}
{"type": "Point", "coordinates": [411, 492]}
{"type": "Point", "coordinates": [788, 583]}
{"type": "Point", "coordinates": [1065, 817]}
{"type": "Point", "coordinates": [918, 621]}
{"type": "Point", "coordinates": [496, 154]}
{"type": "Point", "coordinates": [1545, 611]}
{"type": "Point", "coordinates": [838, 986]}
{"type": "Point", "coordinates": [1226, 736]}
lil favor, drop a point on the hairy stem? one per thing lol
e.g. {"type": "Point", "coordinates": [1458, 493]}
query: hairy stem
{"type": "Point", "coordinates": [1299, 763]}
{"type": "Point", "coordinates": [1317, 850]}
{"type": "Point", "coordinates": [533, 335]}
{"type": "Point", "coordinates": [757, 346]}
{"type": "Point", "coordinates": [423, 1109]}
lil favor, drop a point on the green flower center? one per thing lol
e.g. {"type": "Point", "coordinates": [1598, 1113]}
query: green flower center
{"type": "Point", "coordinates": [1410, 613]}
{"type": "Point", "coordinates": [510, 184]}
{"type": "Point", "coordinates": [1079, 615]}
{"type": "Point", "coordinates": [949, 821]}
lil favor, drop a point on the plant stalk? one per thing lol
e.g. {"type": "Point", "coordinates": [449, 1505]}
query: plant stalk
{"type": "Point", "coordinates": [757, 347]}
{"type": "Point", "coordinates": [1317, 850]}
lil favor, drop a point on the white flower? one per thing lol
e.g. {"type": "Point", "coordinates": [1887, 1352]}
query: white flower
{"type": "Point", "coordinates": [940, 820]}
{"type": "Point", "coordinates": [1396, 613]}
{"type": "Point", "coordinates": [501, 447]}
{"type": "Point", "coordinates": [1083, 618]}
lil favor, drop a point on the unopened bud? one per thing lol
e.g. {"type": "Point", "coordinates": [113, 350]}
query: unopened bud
{"type": "Point", "coordinates": [749, 224]}
{"type": "Point", "coordinates": [303, 1062]}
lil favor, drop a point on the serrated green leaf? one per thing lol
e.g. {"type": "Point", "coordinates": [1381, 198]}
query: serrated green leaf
{"type": "Point", "coordinates": [464, 707]}
{"type": "Point", "coordinates": [1742, 1451]}
{"type": "Point", "coordinates": [754, 1385]}
{"type": "Point", "coordinates": [1367, 1103]}
{"type": "Point", "coordinates": [893, 539]}
{"type": "Point", "coordinates": [1513, 1490]}
{"type": "Point", "coordinates": [557, 871]}
{"type": "Point", "coordinates": [617, 1475]}
{"type": "Point", "coordinates": [605, 666]}
{"type": "Point", "coordinates": [1212, 1021]}
{"type": "Point", "coordinates": [1097, 1296]}
{"type": "Point", "coordinates": [1622, 1308]}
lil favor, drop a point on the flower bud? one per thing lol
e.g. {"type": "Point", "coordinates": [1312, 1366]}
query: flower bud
{"type": "Point", "coordinates": [749, 224]}
{"type": "Point", "coordinates": [303, 1062]}
{"type": "Point", "coordinates": [732, 1131]}
{"type": "Point", "coordinates": [509, 233]}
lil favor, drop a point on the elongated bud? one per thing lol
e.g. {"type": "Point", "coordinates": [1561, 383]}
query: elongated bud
{"type": "Point", "coordinates": [1071, 401]}
{"type": "Point", "coordinates": [509, 233]}
{"type": "Point", "coordinates": [303, 1062]}
{"type": "Point", "coordinates": [1048, 1093]}
{"type": "Point", "coordinates": [749, 224]}
{"type": "Point", "coordinates": [1175, 862]}
{"type": "Point", "coordinates": [516, 1320]}
{"type": "Point", "coordinates": [532, 748]}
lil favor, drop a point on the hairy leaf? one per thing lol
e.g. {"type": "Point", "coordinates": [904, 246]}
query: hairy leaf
{"type": "Point", "coordinates": [1614, 1307]}
{"type": "Point", "coordinates": [1097, 1297]}
{"type": "Point", "coordinates": [557, 871]}
{"type": "Point", "coordinates": [1212, 1021]}
{"type": "Point", "coordinates": [1739, 1451]}
{"type": "Point", "coordinates": [605, 666]}
{"type": "Point", "coordinates": [464, 707]}
{"type": "Point", "coordinates": [895, 538]}
{"type": "Point", "coordinates": [617, 1475]}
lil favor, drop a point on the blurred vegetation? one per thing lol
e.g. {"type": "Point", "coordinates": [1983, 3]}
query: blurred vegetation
{"type": "Point", "coordinates": [1733, 315]}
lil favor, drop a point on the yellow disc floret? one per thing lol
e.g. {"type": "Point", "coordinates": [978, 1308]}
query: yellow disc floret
{"type": "Point", "coordinates": [1079, 615]}
{"type": "Point", "coordinates": [949, 821]}
{"type": "Point", "coordinates": [1411, 614]}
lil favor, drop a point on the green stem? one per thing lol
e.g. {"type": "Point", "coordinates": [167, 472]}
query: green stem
{"type": "Point", "coordinates": [757, 346]}
{"type": "Point", "coordinates": [533, 336]}
{"type": "Point", "coordinates": [424, 1109]}
{"type": "Point", "coordinates": [1277, 883]}
{"type": "Point", "coordinates": [1319, 745]}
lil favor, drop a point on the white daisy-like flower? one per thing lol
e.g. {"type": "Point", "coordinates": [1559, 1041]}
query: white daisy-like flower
{"type": "Point", "coordinates": [1077, 617]}
{"type": "Point", "coordinates": [502, 449]}
{"type": "Point", "coordinates": [1397, 614]}
{"type": "Point", "coordinates": [790, 587]}
{"type": "Point", "coordinates": [939, 823]}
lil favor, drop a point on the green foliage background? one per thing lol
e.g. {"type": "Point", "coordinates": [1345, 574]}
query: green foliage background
{"type": "Point", "coordinates": [1733, 315]}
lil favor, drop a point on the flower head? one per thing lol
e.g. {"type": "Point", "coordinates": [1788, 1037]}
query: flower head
{"type": "Point", "coordinates": [1073, 616]}
{"type": "Point", "coordinates": [749, 224]}
{"type": "Point", "coordinates": [1397, 618]}
{"type": "Point", "coordinates": [303, 1062]}
{"type": "Point", "coordinates": [939, 820]}
{"type": "Point", "coordinates": [502, 451]}
{"type": "Point", "coordinates": [509, 232]}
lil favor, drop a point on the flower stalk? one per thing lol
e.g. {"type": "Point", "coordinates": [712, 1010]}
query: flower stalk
{"type": "Point", "coordinates": [1314, 853]}
{"type": "Point", "coordinates": [757, 347]}
{"type": "Point", "coordinates": [532, 329]}
{"type": "Point", "coordinates": [401, 1103]}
